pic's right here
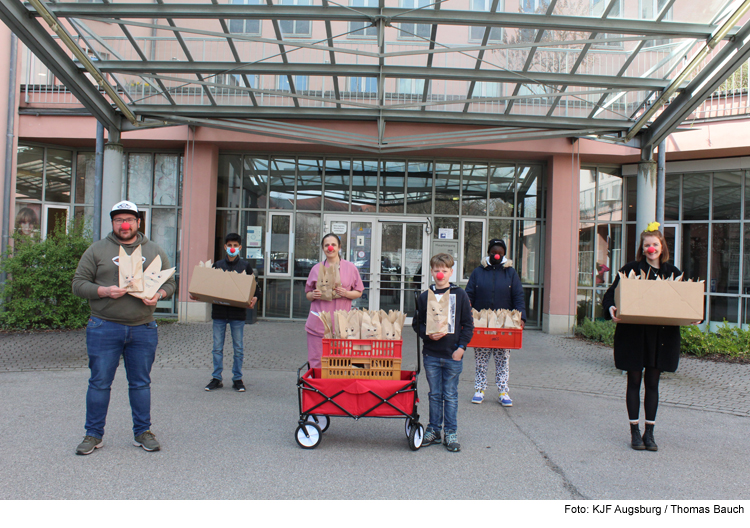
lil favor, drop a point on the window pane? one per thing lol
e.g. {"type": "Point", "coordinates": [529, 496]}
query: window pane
{"type": "Point", "coordinates": [415, 234]}
{"type": "Point", "coordinates": [29, 172]}
{"type": "Point", "coordinates": [391, 266]}
{"type": "Point", "coordinates": [527, 252]}
{"type": "Point", "coordinates": [695, 195]}
{"type": "Point", "coordinates": [85, 215]}
{"type": "Point", "coordinates": [164, 231]}
{"type": "Point", "coordinates": [632, 201]}
{"type": "Point", "coordinates": [278, 292]}
{"type": "Point", "coordinates": [228, 186]}
{"type": "Point", "coordinates": [474, 248]}
{"type": "Point", "coordinates": [140, 173]}
{"type": "Point", "coordinates": [584, 303]}
{"type": "Point", "coordinates": [609, 195]}
{"type": "Point", "coordinates": [419, 188]}
{"type": "Point", "coordinates": [306, 243]}
{"type": "Point", "coordinates": [255, 183]}
{"type": "Point", "coordinates": [301, 307]}
{"type": "Point", "coordinates": [532, 298]}
{"type": "Point", "coordinates": [725, 258]}
{"type": "Point", "coordinates": [587, 198]}
{"type": "Point", "coordinates": [695, 251]}
{"type": "Point", "coordinates": [502, 229]}
{"type": "Point", "coordinates": [529, 192]}
{"type": "Point", "coordinates": [447, 185]}
{"type": "Point", "coordinates": [279, 251]}
{"type": "Point", "coordinates": [392, 179]}
{"type": "Point", "coordinates": [309, 185]}
{"type": "Point", "coordinates": [59, 175]}
{"type": "Point", "coordinates": [364, 186]}
{"type": "Point", "coordinates": [253, 230]}
{"type": "Point", "coordinates": [672, 197]}
{"type": "Point", "coordinates": [608, 257]}
{"type": "Point", "coordinates": [474, 198]}
{"type": "Point", "coordinates": [723, 309]}
{"type": "Point", "coordinates": [727, 195]}
{"type": "Point", "coordinates": [585, 254]}
{"type": "Point", "coordinates": [445, 222]}
{"type": "Point", "coordinates": [226, 222]}
{"type": "Point", "coordinates": [166, 172]}
{"type": "Point", "coordinates": [282, 184]}
{"type": "Point", "coordinates": [337, 185]}
{"type": "Point", "coordinates": [85, 172]}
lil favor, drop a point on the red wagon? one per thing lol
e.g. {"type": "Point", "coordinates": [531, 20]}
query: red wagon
{"type": "Point", "coordinates": [365, 385]}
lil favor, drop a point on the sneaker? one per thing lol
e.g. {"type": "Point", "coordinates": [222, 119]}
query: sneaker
{"type": "Point", "coordinates": [238, 386]}
{"type": "Point", "coordinates": [214, 384]}
{"type": "Point", "coordinates": [451, 442]}
{"type": "Point", "coordinates": [478, 397]}
{"type": "Point", "coordinates": [430, 437]}
{"type": "Point", "coordinates": [88, 445]}
{"type": "Point", "coordinates": [505, 400]}
{"type": "Point", "coordinates": [147, 441]}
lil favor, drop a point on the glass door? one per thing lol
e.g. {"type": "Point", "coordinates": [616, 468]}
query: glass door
{"type": "Point", "coordinates": [280, 239]}
{"type": "Point", "coordinates": [473, 246]}
{"type": "Point", "coordinates": [356, 236]}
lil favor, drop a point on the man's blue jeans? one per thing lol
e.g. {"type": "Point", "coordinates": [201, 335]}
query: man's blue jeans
{"type": "Point", "coordinates": [238, 332]}
{"type": "Point", "coordinates": [442, 376]}
{"type": "Point", "coordinates": [106, 342]}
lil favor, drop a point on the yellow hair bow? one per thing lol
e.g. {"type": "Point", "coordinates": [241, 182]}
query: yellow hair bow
{"type": "Point", "coordinates": [653, 226]}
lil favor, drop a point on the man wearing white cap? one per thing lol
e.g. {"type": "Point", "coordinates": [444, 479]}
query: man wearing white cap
{"type": "Point", "coordinates": [120, 325]}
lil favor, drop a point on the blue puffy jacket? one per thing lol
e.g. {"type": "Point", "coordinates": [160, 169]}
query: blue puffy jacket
{"type": "Point", "coordinates": [496, 286]}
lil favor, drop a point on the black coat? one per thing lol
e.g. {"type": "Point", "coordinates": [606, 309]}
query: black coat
{"type": "Point", "coordinates": [631, 349]}
{"type": "Point", "coordinates": [495, 287]}
{"type": "Point", "coordinates": [232, 313]}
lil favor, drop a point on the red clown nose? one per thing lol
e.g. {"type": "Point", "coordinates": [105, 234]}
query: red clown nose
{"type": "Point", "coordinates": [496, 257]}
{"type": "Point", "coordinates": [440, 275]}
{"type": "Point", "coordinates": [330, 248]}
{"type": "Point", "coordinates": [126, 226]}
{"type": "Point", "coordinates": [651, 250]}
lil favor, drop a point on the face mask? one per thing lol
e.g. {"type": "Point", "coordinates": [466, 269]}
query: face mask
{"type": "Point", "coordinates": [496, 256]}
{"type": "Point", "coordinates": [233, 252]}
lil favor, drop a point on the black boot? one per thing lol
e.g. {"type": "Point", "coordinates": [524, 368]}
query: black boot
{"type": "Point", "coordinates": [648, 438]}
{"type": "Point", "coordinates": [636, 442]}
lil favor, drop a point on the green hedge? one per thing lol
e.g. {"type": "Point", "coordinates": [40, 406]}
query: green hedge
{"type": "Point", "coordinates": [727, 341]}
{"type": "Point", "coordinates": [37, 293]}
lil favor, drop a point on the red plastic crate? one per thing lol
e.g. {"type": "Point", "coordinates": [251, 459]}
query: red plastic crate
{"type": "Point", "coordinates": [376, 359]}
{"type": "Point", "coordinates": [497, 338]}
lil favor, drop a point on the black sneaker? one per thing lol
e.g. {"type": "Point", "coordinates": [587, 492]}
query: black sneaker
{"type": "Point", "coordinates": [451, 442]}
{"type": "Point", "coordinates": [238, 386]}
{"type": "Point", "coordinates": [88, 445]}
{"type": "Point", "coordinates": [214, 384]}
{"type": "Point", "coordinates": [430, 437]}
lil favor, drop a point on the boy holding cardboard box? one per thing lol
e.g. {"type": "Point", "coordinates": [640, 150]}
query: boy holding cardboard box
{"type": "Point", "coordinates": [224, 315]}
{"type": "Point", "coordinates": [444, 323]}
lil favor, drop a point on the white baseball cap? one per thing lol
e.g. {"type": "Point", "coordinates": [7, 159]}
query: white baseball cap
{"type": "Point", "coordinates": [124, 207]}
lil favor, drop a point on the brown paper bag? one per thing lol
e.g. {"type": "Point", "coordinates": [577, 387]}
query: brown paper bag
{"type": "Point", "coordinates": [131, 270]}
{"type": "Point", "coordinates": [325, 317]}
{"type": "Point", "coordinates": [352, 325]}
{"type": "Point", "coordinates": [153, 279]}
{"type": "Point", "coordinates": [437, 313]}
{"type": "Point", "coordinates": [328, 280]}
{"type": "Point", "coordinates": [369, 329]}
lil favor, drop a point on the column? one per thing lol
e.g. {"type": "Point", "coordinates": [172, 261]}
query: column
{"type": "Point", "coordinates": [646, 196]}
{"type": "Point", "coordinates": [561, 253]}
{"type": "Point", "coordinates": [111, 180]}
{"type": "Point", "coordinates": [200, 179]}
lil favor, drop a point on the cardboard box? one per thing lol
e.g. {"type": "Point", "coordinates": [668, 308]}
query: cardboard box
{"type": "Point", "coordinates": [668, 303]}
{"type": "Point", "coordinates": [221, 287]}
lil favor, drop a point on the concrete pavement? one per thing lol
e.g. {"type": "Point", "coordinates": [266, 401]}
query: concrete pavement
{"type": "Point", "coordinates": [566, 436]}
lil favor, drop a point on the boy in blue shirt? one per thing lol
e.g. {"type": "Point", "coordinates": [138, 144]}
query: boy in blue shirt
{"type": "Point", "coordinates": [444, 352]}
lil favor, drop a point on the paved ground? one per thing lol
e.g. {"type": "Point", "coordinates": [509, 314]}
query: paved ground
{"type": "Point", "coordinates": [566, 437]}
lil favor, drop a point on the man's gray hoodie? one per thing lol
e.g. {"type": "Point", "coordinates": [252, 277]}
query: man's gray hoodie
{"type": "Point", "coordinates": [99, 267]}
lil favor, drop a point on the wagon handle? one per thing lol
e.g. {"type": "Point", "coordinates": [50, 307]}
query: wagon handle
{"type": "Point", "coordinates": [419, 338]}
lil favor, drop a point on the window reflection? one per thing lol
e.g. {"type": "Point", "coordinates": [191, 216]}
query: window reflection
{"type": "Point", "coordinates": [392, 180]}
{"type": "Point", "coordinates": [609, 197]}
{"type": "Point", "coordinates": [364, 186]}
{"type": "Point", "coordinates": [587, 197]}
{"type": "Point", "coordinates": [253, 232]}
{"type": "Point", "coordinates": [419, 188]}
{"type": "Point", "coordinates": [59, 175]}
{"type": "Point", "coordinates": [306, 243]}
{"type": "Point", "coordinates": [447, 188]}
{"type": "Point", "coordinates": [255, 183]}
{"type": "Point", "coordinates": [695, 196]}
{"type": "Point", "coordinates": [29, 173]}
{"type": "Point", "coordinates": [725, 258]}
{"type": "Point", "coordinates": [695, 251]}
{"type": "Point", "coordinates": [309, 185]}
{"type": "Point", "coordinates": [474, 194]}
{"type": "Point", "coordinates": [337, 180]}
{"type": "Point", "coordinates": [85, 174]}
{"type": "Point", "coordinates": [527, 251]}
{"type": "Point", "coordinates": [585, 254]}
{"type": "Point", "coordinates": [228, 187]}
{"type": "Point", "coordinates": [281, 179]}
{"type": "Point", "coordinates": [140, 174]}
{"type": "Point", "coordinates": [529, 198]}
{"type": "Point", "coordinates": [727, 195]}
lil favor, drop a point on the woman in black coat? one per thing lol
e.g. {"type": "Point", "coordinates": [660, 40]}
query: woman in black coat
{"type": "Point", "coordinates": [637, 347]}
{"type": "Point", "coordinates": [495, 285]}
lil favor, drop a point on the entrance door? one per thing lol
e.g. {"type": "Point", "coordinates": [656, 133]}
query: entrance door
{"type": "Point", "coordinates": [390, 255]}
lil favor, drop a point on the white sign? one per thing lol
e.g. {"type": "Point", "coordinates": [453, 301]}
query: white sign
{"type": "Point", "coordinates": [450, 247]}
{"type": "Point", "coordinates": [445, 233]}
{"type": "Point", "coordinates": [360, 240]}
{"type": "Point", "coordinates": [254, 237]}
{"type": "Point", "coordinates": [253, 253]}
{"type": "Point", "coordinates": [338, 228]}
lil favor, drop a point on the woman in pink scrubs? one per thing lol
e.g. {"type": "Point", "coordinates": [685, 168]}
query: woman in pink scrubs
{"type": "Point", "coordinates": [351, 288]}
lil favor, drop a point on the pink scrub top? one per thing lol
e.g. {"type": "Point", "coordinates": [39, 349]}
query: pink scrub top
{"type": "Point", "coordinates": [350, 280]}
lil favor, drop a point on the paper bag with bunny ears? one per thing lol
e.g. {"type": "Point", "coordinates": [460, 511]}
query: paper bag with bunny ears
{"type": "Point", "coordinates": [325, 318]}
{"type": "Point", "coordinates": [153, 279]}
{"type": "Point", "coordinates": [339, 317]}
{"type": "Point", "coordinates": [352, 325]}
{"type": "Point", "coordinates": [436, 317]}
{"type": "Point", "coordinates": [387, 328]}
{"type": "Point", "coordinates": [328, 280]}
{"type": "Point", "coordinates": [370, 329]}
{"type": "Point", "coordinates": [131, 270]}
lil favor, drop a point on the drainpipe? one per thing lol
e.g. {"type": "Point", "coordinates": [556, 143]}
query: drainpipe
{"type": "Point", "coordinates": [661, 182]}
{"type": "Point", "coordinates": [9, 147]}
{"type": "Point", "coordinates": [98, 177]}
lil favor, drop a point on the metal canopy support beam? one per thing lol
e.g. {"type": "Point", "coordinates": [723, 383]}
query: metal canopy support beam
{"type": "Point", "coordinates": [332, 56]}
{"type": "Point", "coordinates": [235, 54]}
{"type": "Point", "coordinates": [480, 56]}
{"type": "Point", "coordinates": [33, 35]}
{"type": "Point", "coordinates": [369, 14]}
{"type": "Point", "coordinates": [430, 57]}
{"type": "Point", "coordinates": [723, 65]}
{"type": "Point", "coordinates": [282, 51]}
{"type": "Point", "coordinates": [364, 70]}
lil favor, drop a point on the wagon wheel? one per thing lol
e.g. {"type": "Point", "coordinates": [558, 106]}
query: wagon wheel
{"type": "Point", "coordinates": [415, 436]}
{"type": "Point", "coordinates": [321, 420]}
{"type": "Point", "coordinates": [407, 427]}
{"type": "Point", "coordinates": [308, 435]}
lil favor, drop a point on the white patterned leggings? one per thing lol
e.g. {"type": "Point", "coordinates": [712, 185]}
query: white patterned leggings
{"type": "Point", "coordinates": [502, 367]}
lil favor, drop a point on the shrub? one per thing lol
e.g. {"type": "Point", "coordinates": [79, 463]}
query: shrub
{"type": "Point", "coordinates": [601, 331]}
{"type": "Point", "coordinates": [37, 293]}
